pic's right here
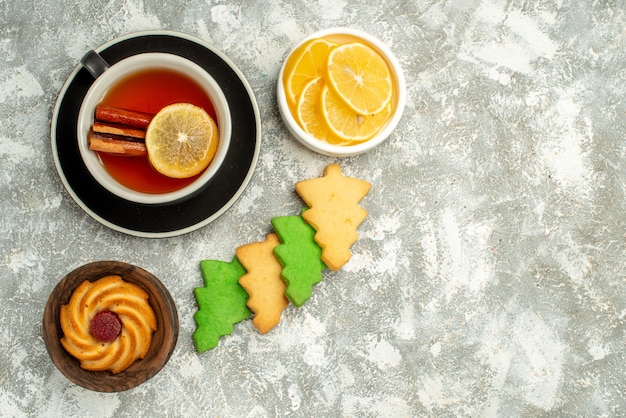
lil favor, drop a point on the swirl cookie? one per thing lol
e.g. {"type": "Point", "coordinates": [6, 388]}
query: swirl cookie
{"type": "Point", "coordinates": [107, 324]}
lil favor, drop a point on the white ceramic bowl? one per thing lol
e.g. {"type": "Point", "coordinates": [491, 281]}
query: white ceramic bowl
{"type": "Point", "coordinates": [323, 147]}
{"type": "Point", "coordinates": [138, 63]}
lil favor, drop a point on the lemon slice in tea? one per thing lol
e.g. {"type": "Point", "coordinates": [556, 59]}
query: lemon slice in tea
{"type": "Point", "coordinates": [181, 140]}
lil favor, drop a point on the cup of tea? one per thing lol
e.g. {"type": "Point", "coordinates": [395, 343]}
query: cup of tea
{"type": "Point", "coordinates": [140, 86]}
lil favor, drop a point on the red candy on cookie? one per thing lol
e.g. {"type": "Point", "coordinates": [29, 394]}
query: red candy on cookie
{"type": "Point", "coordinates": [105, 326]}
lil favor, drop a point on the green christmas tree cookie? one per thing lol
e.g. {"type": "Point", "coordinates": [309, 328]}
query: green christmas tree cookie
{"type": "Point", "coordinates": [221, 302]}
{"type": "Point", "coordinates": [300, 257]}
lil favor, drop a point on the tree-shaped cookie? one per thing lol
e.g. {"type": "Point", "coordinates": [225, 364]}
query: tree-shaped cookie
{"type": "Point", "coordinates": [334, 212]}
{"type": "Point", "coordinates": [221, 302]}
{"type": "Point", "coordinates": [299, 255]}
{"type": "Point", "coordinates": [262, 282]}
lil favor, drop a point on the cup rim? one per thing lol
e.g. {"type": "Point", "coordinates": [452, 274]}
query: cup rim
{"type": "Point", "coordinates": [332, 150]}
{"type": "Point", "coordinates": [142, 61]}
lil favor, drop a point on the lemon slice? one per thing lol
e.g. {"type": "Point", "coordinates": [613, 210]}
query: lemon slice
{"type": "Point", "coordinates": [360, 77]}
{"type": "Point", "coordinates": [181, 140]}
{"type": "Point", "coordinates": [306, 63]}
{"type": "Point", "coordinates": [345, 123]}
{"type": "Point", "coordinates": [308, 112]}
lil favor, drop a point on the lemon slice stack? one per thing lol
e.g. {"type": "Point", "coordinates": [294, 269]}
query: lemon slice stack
{"type": "Point", "coordinates": [339, 93]}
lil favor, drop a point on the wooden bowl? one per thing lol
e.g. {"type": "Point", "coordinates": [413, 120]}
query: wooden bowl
{"type": "Point", "coordinates": [163, 340]}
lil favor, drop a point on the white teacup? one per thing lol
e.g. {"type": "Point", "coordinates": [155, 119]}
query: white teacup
{"type": "Point", "coordinates": [107, 77]}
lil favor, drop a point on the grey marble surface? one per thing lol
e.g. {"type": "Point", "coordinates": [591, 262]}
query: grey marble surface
{"type": "Point", "coordinates": [488, 279]}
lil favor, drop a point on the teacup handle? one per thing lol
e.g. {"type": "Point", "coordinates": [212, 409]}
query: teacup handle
{"type": "Point", "coordinates": [94, 63]}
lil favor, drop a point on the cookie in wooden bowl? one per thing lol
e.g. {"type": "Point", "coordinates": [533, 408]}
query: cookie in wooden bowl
{"type": "Point", "coordinates": [104, 311]}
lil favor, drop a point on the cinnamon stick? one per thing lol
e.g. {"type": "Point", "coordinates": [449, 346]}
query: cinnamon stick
{"type": "Point", "coordinates": [122, 130]}
{"type": "Point", "coordinates": [107, 113]}
{"type": "Point", "coordinates": [116, 144]}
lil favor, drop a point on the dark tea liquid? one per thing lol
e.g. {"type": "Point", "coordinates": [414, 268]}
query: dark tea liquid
{"type": "Point", "coordinates": [149, 91]}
